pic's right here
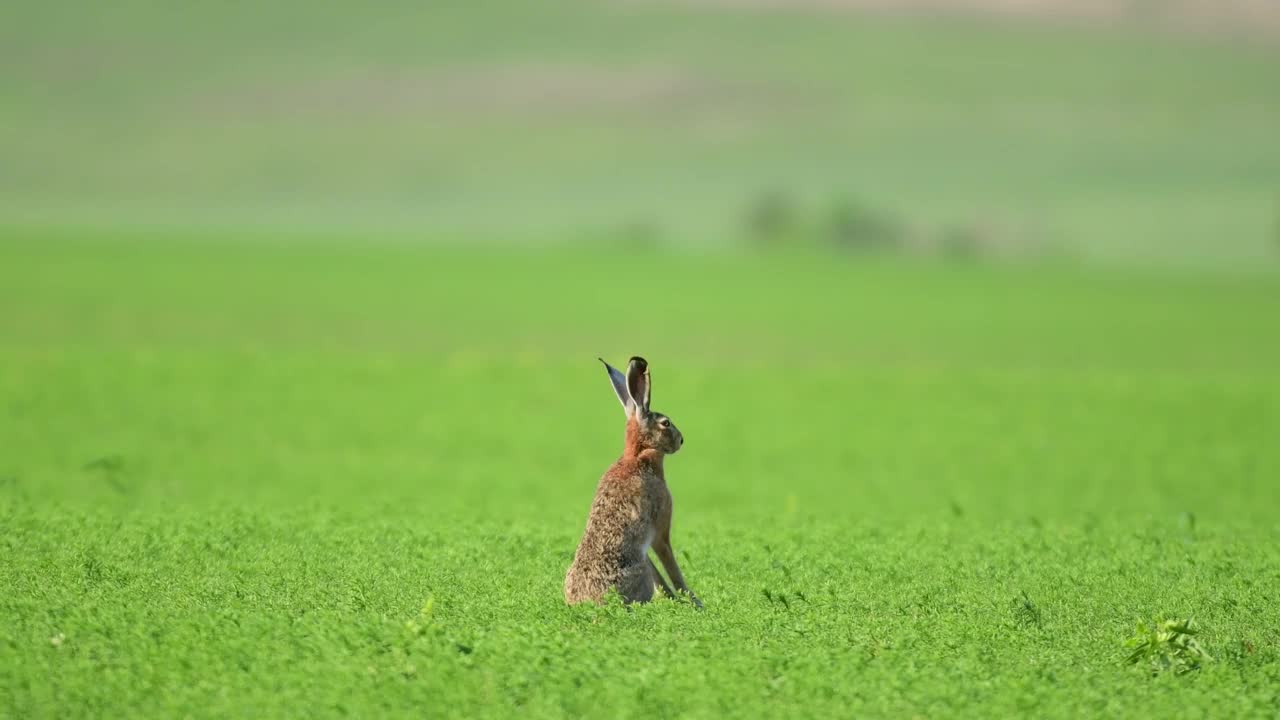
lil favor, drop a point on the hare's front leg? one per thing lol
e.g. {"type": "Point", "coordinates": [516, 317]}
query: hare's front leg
{"type": "Point", "coordinates": [661, 581]}
{"type": "Point", "coordinates": [662, 546]}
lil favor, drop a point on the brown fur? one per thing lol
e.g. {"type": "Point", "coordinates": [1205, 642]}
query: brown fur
{"type": "Point", "coordinates": [630, 514]}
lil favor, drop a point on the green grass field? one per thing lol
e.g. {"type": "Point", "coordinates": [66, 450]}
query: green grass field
{"type": "Point", "coordinates": [300, 306]}
{"type": "Point", "coordinates": [266, 479]}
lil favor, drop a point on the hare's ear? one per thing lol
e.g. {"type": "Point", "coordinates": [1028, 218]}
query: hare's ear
{"type": "Point", "coordinates": [638, 384]}
{"type": "Point", "coordinates": [619, 387]}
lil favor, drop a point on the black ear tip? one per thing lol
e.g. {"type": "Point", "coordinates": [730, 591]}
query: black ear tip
{"type": "Point", "coordinates": [639, 362]}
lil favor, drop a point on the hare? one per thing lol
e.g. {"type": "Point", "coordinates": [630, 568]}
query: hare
{"type": "Point", "coordinates": [632, 508]}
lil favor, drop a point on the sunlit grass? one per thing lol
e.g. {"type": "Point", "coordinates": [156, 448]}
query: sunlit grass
{"type": "Point", "coordinates": [246, 479]}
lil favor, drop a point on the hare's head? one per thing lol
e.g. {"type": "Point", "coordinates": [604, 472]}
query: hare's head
{"type": "Point", "coordinates": [646, 429]}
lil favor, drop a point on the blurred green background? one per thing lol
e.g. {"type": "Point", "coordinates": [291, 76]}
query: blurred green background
{"type": "Point", "coordinates": [1116, 130]}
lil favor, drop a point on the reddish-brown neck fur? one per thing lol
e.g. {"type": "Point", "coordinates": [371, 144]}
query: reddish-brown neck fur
{"type": "Point", "coordinates": [634, 448]}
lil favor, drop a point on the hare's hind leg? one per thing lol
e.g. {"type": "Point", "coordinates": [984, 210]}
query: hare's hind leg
{"type": "Point", "coordinates": [574, 592]}
{"type": "Point", "coordinates": [658, 579]}
{"type": "Point", "coordinates": [636, 583]}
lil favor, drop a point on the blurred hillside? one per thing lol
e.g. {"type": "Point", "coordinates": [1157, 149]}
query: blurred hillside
{"type": "Point", "coordinates": [1114, 130]}
{"type": "Point", "coordinates": [1231, 16]}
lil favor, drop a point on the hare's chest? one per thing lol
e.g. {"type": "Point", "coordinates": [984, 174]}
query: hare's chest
{"type": "Point", "coordinates": [652, 503]}
{"type": "Point", "coordinates": [657, 497]}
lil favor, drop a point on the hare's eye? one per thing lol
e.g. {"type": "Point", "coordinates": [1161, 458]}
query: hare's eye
{"type": "Point", "coordinates": [664, 423]}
